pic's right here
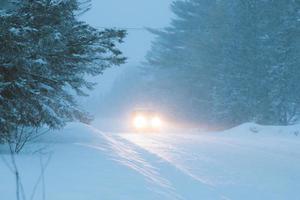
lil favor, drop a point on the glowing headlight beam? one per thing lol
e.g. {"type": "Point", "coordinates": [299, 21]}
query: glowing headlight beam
{"type": "Point", "coordinates": [140, 122]}
{"type": "Point", "coordinates": [156, 122]}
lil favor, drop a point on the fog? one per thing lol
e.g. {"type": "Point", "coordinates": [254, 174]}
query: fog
{"type": "Point", "coordinates": [201, 62]}
{"type": "Point", "coordinates": [200, 57]}
{"type": "Point", "coordinates": [134, 16]}
{"type": "Point", "coordinates": [200, 101]}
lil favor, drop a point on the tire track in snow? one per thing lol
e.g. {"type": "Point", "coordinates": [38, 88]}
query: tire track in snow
{"type": "Point", "coordinates": [126, 153]}
{"type": "Point", "coordinates": [167, 153]}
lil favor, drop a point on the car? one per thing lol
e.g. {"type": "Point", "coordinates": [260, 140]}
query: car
{"type": "Point", "coordinates": [146, 120]}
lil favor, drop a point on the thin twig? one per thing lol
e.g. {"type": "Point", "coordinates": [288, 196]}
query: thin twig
{"type": "Point", "coordinates": [15, 171]}
{"type": "Point", "coordinates": [41, 178]}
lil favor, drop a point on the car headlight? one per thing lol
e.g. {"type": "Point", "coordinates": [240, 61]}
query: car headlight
{"type": "Point", "coordinates": [156, 122]}
{"type": "Point", "coordinates": [140, 122]}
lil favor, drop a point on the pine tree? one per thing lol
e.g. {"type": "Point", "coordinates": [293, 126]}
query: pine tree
{"type": "Point", "coordinates": [186, 56]}
{"type": "Point", "coordinates": [46, 53]}
{"type": "Point", "coordinates": [260, 72]}
{"type": "Point", "coordinates": [283, 61]}
{"type": "Point", "coordinates": [229, 62]}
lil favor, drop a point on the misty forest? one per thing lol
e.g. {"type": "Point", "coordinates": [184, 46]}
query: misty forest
{"type": "Point", "coordinates": [157, 100]}
{"type": "Point", "coordinates": [225, 62]}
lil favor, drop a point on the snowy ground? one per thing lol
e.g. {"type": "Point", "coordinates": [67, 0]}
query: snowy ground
{"type": "Point", "coordinates": [247, 162]}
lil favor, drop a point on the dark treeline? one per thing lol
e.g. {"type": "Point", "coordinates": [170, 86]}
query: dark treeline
{"type": "Point", "coordinates": [230, 61]}
{"type": "Point", "coordinates": [46, 53]}
{"type": "Point", "coordinates": [226, 62]}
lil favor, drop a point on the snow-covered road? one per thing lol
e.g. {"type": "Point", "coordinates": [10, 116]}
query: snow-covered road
{"type": "Point", "coordinates": [249, 162]}
{"type": "Point", "coordinates": [233, 166]}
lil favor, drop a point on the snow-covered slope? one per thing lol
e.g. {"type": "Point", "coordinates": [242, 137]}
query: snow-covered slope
{"type": "Point", "coordinates": [247, 162]}
{"type": "Point", "coordinates": [252, 129]}
{"type": "Point", "coordinates": [85, 164]}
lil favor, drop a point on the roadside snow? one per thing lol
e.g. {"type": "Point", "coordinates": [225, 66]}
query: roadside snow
{"type": "Point", "coordinates": [252, 129]}
{"type": "Point", "coordinates": [249, 162]}
{"type": "Point", "coordinates": [85, 164]}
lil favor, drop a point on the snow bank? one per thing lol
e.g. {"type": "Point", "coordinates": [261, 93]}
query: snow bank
{"type": "Point", "coordinates": [263, 130]}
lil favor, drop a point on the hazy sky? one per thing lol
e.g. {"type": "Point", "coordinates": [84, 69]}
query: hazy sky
{"type": "Point", "coordinates": [130, 13]}
{"type": "Point", "coordinates": [123, 14]}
